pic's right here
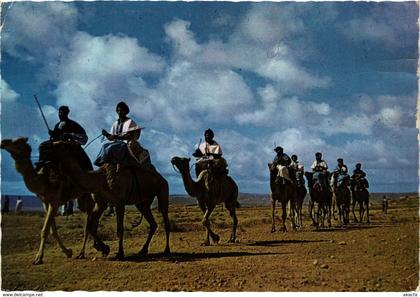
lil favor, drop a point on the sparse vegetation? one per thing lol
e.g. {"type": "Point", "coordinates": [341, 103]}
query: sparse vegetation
{"type": "Point", "coordinates": [382, 256]}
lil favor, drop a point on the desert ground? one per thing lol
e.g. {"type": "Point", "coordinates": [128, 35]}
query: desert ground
{"type": "Point", "coordinates": [380, 256]}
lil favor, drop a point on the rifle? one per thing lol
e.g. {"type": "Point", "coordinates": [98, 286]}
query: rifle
{"type": "Point", "coordinates": [42, 114]}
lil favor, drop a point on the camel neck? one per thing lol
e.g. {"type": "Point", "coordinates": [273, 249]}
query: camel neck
{"type": "Point", "coordinates": [34, 182]}
{"type": "Point", "coordinates": [189, 184]}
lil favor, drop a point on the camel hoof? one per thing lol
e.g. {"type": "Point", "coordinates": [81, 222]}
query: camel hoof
{"type": "Point", "coordinates": [69, 253]}
{"type": "Point", "coordinates": [37, 261]}
{"type": "Point", "coordinates": [215, 238]}
{"type": "Point", "coordinates": [273, 230]}
{"type": "Point", "coordinates": [232, 239]}
{"type": "Point", "coordinates": [81, 255]}
{"type": "Point", "coordinates": [143, 251]}
{"type": "Point", "coordinates": [205, 243]}
{"type": "Point", "coordinates": [105, 250]}
{"type": "Point", "coordinates": [119, 256]}
{"type": "Point", "coordinates": [167, 252]}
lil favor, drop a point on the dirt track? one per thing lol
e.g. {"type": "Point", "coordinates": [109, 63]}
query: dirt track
{"type": "Point", "coordinates": [382, 256]}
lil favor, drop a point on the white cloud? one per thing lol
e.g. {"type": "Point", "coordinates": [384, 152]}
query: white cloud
{"type": "Point", "coordinates": [391, 117]}
{"type": "Point", "coordinates": [182, 38]}
{"type": "Point", "coordinates": [269, 23]}
{"type": "Point", "coordinates": [188, 96]}
{"type": "Point", "coordinates": [33, 30]}
{"type": "Point", "coordinates": [361, 124]}
{"type": "Point", "coordinates": [97, 72]}
{"type": "Point", "coordinates": [287, 72]}
{"type": "Point", "coordinates": [368, 29]}
{"type": "Point", "coordinates": [256, 45]}
{"type": "Point", "coordinates": [108, 56]}
{"type": "Point", "coordinates": [7, 94]}
{"type": "Point", "coordinates": [276, 110]}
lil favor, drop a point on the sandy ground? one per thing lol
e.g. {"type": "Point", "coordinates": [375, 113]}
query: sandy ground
{"type": "Point", "coordinates": [381, 256]}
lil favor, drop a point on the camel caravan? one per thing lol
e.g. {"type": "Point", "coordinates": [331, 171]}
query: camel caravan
{"type": "Point", "coordinates": [126, 176]}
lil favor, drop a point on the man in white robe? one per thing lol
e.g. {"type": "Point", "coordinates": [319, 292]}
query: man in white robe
{"type": "Point", "coordinates": [208, 150]}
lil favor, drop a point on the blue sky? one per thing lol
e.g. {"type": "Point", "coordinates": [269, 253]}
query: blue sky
{"type": "Point", "coordinates": [339, 78]}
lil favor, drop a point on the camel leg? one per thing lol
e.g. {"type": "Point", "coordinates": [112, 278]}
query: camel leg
{"type": "Point", "coordinates": [67, 252]}
{"type": "Point", "coordinates": [165, 216]}
{"type": "Point", "coordinates": [292, 215]}
{"type": "Point", "coordinates": [88, 201]}
{"type": "Point", "coordinates": [367, 212]}
{"type": "Point", "coordinates": [51, 210]}
{"type": "Point", "coordinates": [92, 227]}
{"type": "Point", "coordinates": [334, 207]}
{"type": "Point", "coordinates": [232, 213]}
{"type": "Point", "coordinates": [321, 214]}
{"type": "Point", "coordinates": [361, 211]}
{"type": "Point", "coordinates": [273, 215]}
{"type": "Point", "coordinates": [120, 231]}
{"type": "Point", "coordinates": [206, 224]}
{"type": "Point", "coordinates": [153, 226]}
{"type": "Point", "coordinates": [300, 216]}
{"type": "Point", "coordinates": [353, 205]}
{"type": "Point", "coordinates": [311, 208]}
{"type": "Point", "coordinates": [329, 215]}
{"type": "Point", "coordinates": [81, 254]}
{"type": "Point", "coordinates": [283, 217]}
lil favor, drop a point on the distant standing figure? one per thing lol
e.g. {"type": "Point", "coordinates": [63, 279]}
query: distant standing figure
{"type": "Point", "coordinates": [6, 205]}
{"type": "Point", "coordinates": [385, 205]}
{"type": "Point", "coordinates": [19, 205]}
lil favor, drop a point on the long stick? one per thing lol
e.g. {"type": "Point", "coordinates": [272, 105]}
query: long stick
{"type": "Point", "coordinates": [92, 141]}
{"type": "Point", "coordinates": [40, 109]}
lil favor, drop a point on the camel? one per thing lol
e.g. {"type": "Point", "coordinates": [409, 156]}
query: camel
{"type": "Point", "coordinates": [300, 197]}
{"type": "Point", "coordinates": [206, 198]}
{"type": "Point", "coordinates": [342, 197]}
{"type": "Point", "coordinates": [53, 194]}
{"type": "Point", "coordinates": [322, 198]}
{"type": "Point", "coordinates": [283, 193]}
{"type": "Point", "coordinates": [133, 186]}
{"type": "Point", "coordinates": [360, 195]}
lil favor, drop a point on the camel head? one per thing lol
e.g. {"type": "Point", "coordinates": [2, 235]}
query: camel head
{"type": "Point", "coordinates": [183, 164]}
{"type": "Point", "coordinates": [17, 147]}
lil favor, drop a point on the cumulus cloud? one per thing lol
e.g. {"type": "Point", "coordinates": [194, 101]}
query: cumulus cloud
{"type": "Point", "coordinates": [362, 29]}
{"type": "Point", "coordinates": [385, 25]}
{"type": "Point", "coordinates": [391, 117]}
{"type": "Point", "coordinates": [33, 30]}
{"type": "Point", "coordinates": [277, 110]}
{"type": "Point", "coordinates": [7, 94]}
{"type": "Point", "coordinates": [188, 95]}
{"type": "Point", "coordinates": [99, 71]}
{"type": "Point", "coordinates": [257, 45]}
{"type": "Point", "coordinates": [182, 38]}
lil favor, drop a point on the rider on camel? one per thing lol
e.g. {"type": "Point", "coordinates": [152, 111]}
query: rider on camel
{"type": "Point", "coordinates": [298, 170]}
{"type": "Point", "coordinates": [209, 151]}
{"type": "Point", "coordinates": [281, 162]}
{"type": "Point", "coordinates": [319, 168]}
{"type": "Point", "coordinates": [359, 177]}
{"type": "Point", "coordinates": [340, 173]}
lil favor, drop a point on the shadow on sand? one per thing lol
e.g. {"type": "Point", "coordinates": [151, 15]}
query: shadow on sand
{"type": "Point", "coordinates": [349, 227]}
{"type": "Point", "coordinates": [188, 257]}
{"type": "Point", "coordinates": [282, 242]}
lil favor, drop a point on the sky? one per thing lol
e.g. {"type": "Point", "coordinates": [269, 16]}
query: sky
{"type": "Point", "coordinates": [338, 78]}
